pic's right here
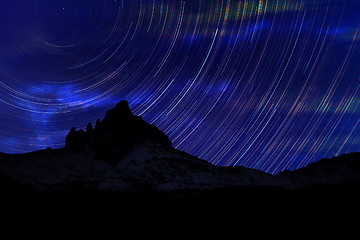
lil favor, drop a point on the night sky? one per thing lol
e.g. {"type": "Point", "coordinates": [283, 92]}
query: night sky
{"type": "Point", "coordinates": [266, 84]}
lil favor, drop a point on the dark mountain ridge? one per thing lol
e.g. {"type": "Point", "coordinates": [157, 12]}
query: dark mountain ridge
{"type": "Point", "coordinates": [123, 154]}
{"type": "Point", "coordinates": [115, 136]}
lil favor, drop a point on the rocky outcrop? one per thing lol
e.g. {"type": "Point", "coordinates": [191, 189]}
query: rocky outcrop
{"type": "Point", "coordinates": [115, 135]}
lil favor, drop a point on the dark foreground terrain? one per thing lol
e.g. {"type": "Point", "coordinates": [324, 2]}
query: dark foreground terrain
{"type": "Point", "coordinates": [128, 167]}
{"type": "Point", "coordinates": [250, 207]}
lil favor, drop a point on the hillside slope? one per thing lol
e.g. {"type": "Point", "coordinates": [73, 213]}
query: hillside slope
{"type": "Point", "coordinates": [124, 154]}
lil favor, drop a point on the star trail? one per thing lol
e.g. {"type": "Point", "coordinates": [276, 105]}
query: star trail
{"type": "Point", "coordinates": [265, 84]}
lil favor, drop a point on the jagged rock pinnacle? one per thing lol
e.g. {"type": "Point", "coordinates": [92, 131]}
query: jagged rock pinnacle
{"type": "Point", "coordinates": [116, 133]}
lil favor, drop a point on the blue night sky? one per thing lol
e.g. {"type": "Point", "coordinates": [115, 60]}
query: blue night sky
{"type": "Point", "coordinates": [266, 84]}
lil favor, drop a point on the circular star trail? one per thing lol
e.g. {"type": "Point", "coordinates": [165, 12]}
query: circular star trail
{"type": "Point", "coordinates": [266, 84]}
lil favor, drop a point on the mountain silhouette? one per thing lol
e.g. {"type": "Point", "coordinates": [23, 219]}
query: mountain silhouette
{"type": "Point", "coordinates": [116, 135]}
{"type": "Point", "coordinates": [123, 154]}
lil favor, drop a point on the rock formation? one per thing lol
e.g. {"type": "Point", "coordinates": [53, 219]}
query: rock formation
{"type": "Point", "coordinates": [115, 135]}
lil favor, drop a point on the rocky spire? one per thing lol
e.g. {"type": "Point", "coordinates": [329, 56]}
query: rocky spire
{"type": "Point", "coordinates": [115, 134]}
